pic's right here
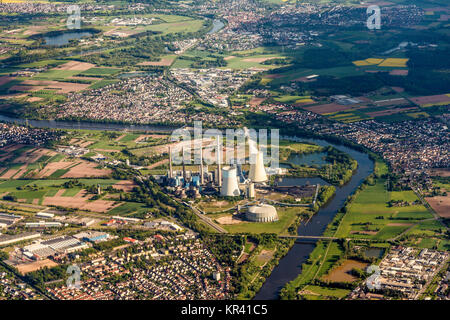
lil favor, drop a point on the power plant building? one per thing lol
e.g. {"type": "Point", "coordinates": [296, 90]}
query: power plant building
{"type": "Point", "coordinates": [262, 213]}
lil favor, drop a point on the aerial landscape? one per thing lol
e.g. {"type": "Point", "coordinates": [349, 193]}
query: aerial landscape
{"type": "Point", "coordinates": [251, 150]}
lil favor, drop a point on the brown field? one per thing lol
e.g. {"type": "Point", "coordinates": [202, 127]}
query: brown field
{"type": "Point", "coordinates": [33, 266]}
{"type": "Point", "coordinates": [9, 174]}
{"type": "Point", "coordinates": [158, 163]}
{"type": "Point", "coordinates": [5, 79]}
{"type": "Point", "coordinates": [229, 58]}
{"type": "Point", "coordinates": [164, 62]}
{"type": "Point", "coordinates": [86, 170]}
{"type": "Point", "coordinates": [228, 220]}
{"type": "Point", "coordinates": [342, 272]}
{"type": "Point", "coordinates": [273, 76]}
{"type": "Point", "coordinates": [259, 60]}
{"type": "Point", "coordinates": [392, 102]}
{"type": "Point", "coordinates": [80, 201]}
{"type": "Point", "coordinates": [26, 88]}
{"type": "Point", "coordinates": [51, 167]}
{"type": "Point", "coordinates": [123, 33]}
{"type": "Point", "coordinates": [399, 72]}
{"type": "Point", "coordinates": [12, 147]}
{"type": "Point", "coordinates": [61, 87]}
{"type": "Point", "coordinates": [33, 155]}
{"type": "Point", "coordinates": [8, 150]}
{"type": "Point", "coordinates": [34, 99]}
{"type": "Point", "coordinates": [264, 257]}
{"type": "Point", "coordinates": [256, 101]}
{"type": "Point", "coordinates": [86, 144]}
{"type": "Point", "coordinates": [389, 112]}
{"type": "Point", "coordinates": [75, 65]}
{"type": "Point", "coordinates": [398, 89]}
{"type": "Point", "coordinates": [120, 137]}
{"type": "Point", "coordinates": [399, 224]}
{"type": "Point", "coordinates": [106, 150]}
{"type": "Point", "coordinates": [305, 79]}
{"type": "Point", "coordinates": [21, 171]}
{"type": "Point", "coordinates": [85, 78]}
{"type": "Point", "coordinates": [329, 108]}
{"type": "Point", "coordinates": [441, 98]}
{"type": "Point", "coordinates": [145, 136]}
{"type": "Point", "coordinates": [125, 185]}
{"type": "Point", "coordinates": [364, 232]}
{"type": "Point", "coordinates": [441, 172]}
{"type": "Point", "coordinates": [34, 30]}
{"type": "Point", "coordinates": [441, 205]}
{"type": "Point", "coordinates": [12, 96]}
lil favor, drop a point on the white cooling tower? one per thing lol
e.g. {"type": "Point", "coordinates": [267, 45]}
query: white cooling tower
{"type": "Point", "coordinates": [257, 171]}
{"type": "Point", "coordinates": [230, 186]}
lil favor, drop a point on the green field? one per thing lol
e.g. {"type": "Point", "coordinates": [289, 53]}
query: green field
{"type": "Point", "coordinates": [129, 209]}
{"type": "Point", "coordinates": [177, 26]}
{"type": "Point", "coordinates": [100, 72]}
{"type": "Point", "coordinates": [324, 292]}
{"type": "Point", "coordinates": [369, 216]}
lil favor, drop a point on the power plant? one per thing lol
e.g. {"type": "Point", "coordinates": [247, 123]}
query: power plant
{"type": "Point", "coordinates": [229, 181]}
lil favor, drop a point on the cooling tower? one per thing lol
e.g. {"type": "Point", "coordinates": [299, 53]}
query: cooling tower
{"type": "Point", "coordinates": [257, 171]}
{"type": "Point", "coordinates": [230, 186]}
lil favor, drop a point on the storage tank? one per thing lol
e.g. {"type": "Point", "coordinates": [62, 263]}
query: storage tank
{"type": "Point", "coordinates": [262, 213]}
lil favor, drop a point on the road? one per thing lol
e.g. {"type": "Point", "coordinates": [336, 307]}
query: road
{"type": "Point", "coordinates": [205, 219]}
{"type": "Point", "coordinates": [430, 280]}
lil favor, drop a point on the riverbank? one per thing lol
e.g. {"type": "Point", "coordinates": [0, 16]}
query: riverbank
{"type": "Point", "coordinates": [290, 266]}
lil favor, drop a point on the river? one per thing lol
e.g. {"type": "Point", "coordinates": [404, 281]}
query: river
{"type": "Point", "coordinates": [217, 26]}
{"type": "Point", "coordinates": [290, 265]}
{"type": "Point", "coordinates": [68, 125]}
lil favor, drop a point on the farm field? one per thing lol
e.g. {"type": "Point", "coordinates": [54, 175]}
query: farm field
{"type": "Point", "coordinates": [187, 25]}
{"type": "Point", "coordinates": [32, 191]}
{"type": "Point", "coordinates": [342, 273]}
{"type": "Point", "coordinates": [44, 163]}
{"type": "Point", "coordinates": [369, 215]}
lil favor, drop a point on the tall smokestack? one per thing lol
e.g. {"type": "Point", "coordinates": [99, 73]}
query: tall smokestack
{"type": "Point", "coordinates": [219, 162]}
{"type": "Point", "coordinates": [170, 163]}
